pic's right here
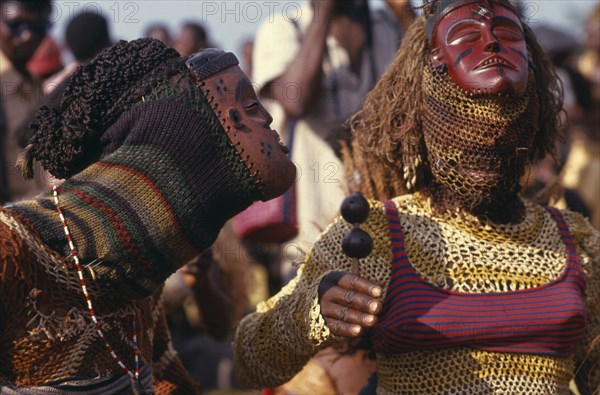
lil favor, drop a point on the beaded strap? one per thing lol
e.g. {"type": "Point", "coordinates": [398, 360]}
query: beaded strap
{"type": "Point", "coordinates": [135, 374]}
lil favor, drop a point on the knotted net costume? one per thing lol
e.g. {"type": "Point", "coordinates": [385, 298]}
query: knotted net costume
{"type": "Point", "coordinates": [165, 181]}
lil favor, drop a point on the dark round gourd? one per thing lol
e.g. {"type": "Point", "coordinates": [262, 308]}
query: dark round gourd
{"type": "Point", "coordinates": [355, 208]}
{"type": "Point", "coordinates": [357, 243]}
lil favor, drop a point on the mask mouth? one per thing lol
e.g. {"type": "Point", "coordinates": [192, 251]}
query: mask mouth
{"type": "Point", "coordinates": [283, 147]}
{"type": "Point", "coordinates": [493, 62]}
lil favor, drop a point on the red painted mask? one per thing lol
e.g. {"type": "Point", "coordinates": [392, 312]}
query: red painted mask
{"type": "Point", "coordinates": [483, 48]}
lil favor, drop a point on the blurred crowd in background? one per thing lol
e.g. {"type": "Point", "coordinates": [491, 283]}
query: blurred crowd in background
{"type": "Point", "coordinates": [334, 68]}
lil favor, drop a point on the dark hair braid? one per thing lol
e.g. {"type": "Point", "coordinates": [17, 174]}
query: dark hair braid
{"type": "Point", "coordinates": [67, 139]}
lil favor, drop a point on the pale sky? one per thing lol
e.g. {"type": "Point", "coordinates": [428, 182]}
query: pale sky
{"type": "Point", "coordinates": [230, 21]}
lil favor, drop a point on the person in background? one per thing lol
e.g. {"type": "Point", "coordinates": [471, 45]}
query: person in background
{"type": "Point", "coordinates": [589, 61]}
{"type": "Point", "coordinates": [204, 300]}
{"type": "Point", "coordinates": [582, 168]}
{"type": "Point", "coordinates": [455, 282]}
{"type": "Point", "coordinates": [4, 197]}
{"type": "Point", "coordinates": [23, 27]}
{"type": "Point", "coordinates": [247, 49]}
{"type": "Point", "coordinates": [191, 38]}
{"type": "Point", "coordinates": [47, 59]}
{"type": "Point", "coordinates": [160, 32]}
{"type": "Point", "coordinates": [86, 35]}
{"type": "Point", "coordinates": [544, 183]}
{"type": "Point", "coordinates": [313, 73]}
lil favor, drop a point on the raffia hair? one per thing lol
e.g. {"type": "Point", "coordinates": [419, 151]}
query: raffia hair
{"type": "Point", "coordinates": [387, 133]}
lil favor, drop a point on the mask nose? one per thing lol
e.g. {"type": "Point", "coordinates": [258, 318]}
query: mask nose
{"type": "Point", "coordinates": [492, 46]}
{"type": "Point", "coordinates": [268, 117]}
{"type": "Point", "coordinates": [491, 42]}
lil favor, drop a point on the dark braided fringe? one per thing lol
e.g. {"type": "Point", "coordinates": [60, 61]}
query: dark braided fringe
{"type": "Point", "coordinates": [66, 140]}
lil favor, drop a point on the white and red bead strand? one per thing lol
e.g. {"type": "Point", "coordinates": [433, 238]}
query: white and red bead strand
{"type": "Point", "coordinates": [135, 374]}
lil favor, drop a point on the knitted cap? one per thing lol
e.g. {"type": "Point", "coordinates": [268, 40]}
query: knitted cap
{"type": "Point", "coordinates": [158, 179]}
{"type": "Point", "coordinates": [210, 61]}
{"type": "Point", "coordinates": [447, 6]}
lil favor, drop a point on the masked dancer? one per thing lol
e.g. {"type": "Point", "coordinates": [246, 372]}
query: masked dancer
{"type": "Point", "coordinates": [158, 152]}
{"type": "Point", "coordinates": [469, 288]}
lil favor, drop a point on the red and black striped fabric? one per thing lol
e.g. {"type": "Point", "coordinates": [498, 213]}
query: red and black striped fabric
{"type": "Point", "coordinates": [417, 315]}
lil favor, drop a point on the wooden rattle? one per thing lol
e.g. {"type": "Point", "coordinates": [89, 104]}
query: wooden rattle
{"type": "Point", "coordinates": [357, 243]}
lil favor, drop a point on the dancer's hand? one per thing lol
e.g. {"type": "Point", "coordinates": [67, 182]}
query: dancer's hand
{"type": "Point", "coordinates": [349, 303]}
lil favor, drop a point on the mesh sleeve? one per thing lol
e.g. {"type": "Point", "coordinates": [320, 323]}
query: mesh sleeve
{"type": "Point", "coordinates": [273, 344]}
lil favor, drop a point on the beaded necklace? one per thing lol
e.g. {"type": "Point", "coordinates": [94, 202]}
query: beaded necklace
{"type": "Point", "coordinates": [135, 374]}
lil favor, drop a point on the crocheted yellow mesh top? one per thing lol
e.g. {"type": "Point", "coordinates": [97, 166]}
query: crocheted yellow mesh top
{"type": "Point", "coordinates": [455, 252]}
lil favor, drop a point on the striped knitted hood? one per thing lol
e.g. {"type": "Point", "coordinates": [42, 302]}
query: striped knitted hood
{"type": "Point", "coordinates": [166, 184]}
